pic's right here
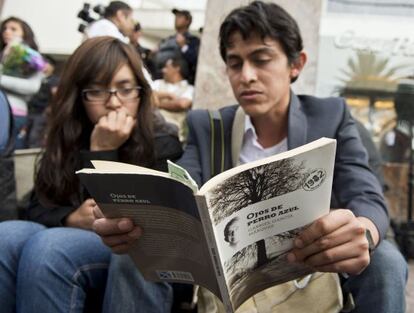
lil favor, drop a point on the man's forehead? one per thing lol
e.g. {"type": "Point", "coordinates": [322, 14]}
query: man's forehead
{"type": "Point", "coordinates": [252, 42]}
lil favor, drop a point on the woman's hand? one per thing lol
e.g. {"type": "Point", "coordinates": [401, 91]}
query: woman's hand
{"type": "Point", "coordinates": [111, 131]}
{"type": "Point", "coordinates": [83, 216]}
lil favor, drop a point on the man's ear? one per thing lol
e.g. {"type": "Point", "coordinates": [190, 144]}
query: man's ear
{"type": "Point", "coordinates": [298, 65]}
{"type": "Point", "coordinates": [119, 15]}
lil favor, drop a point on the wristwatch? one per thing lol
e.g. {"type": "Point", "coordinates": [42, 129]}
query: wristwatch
{"type": "Point", "coordinates": [371, 245]}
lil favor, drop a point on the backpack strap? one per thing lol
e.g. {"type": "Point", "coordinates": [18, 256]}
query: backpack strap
{"type": "Point", "coordinates": [216, 143]}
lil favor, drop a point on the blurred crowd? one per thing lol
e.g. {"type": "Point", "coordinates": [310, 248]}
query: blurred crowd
{"type": "Point", "coordinates": [170, 70]}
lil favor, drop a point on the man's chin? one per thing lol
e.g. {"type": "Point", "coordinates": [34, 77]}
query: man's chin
{"type": "Point", "coordinates": [252, 109]}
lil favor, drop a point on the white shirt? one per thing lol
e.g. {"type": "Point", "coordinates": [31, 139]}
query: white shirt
{"type": "Point", "coordinates": [252, 150]}
{"type": "Point", "coordinates": [182, 89]}
{"type": "Point", "coordinates": [105, 27]}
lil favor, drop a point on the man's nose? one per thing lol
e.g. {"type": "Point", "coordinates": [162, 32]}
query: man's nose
{"type": "Point", "coordinates": [248, 73]}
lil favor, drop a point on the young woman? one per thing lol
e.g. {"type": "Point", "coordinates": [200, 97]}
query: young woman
{"type": "Point", "coordinates": [102, 110]}
{"type": "Point", "coordinates": [19, 89]}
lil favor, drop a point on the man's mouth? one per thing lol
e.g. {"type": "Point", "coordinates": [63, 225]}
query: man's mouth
{"type": "Point", "coordinates": [250, 94]}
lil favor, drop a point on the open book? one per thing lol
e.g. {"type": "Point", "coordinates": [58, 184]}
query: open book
{"type": "Point", "coordinates": [232, 236]}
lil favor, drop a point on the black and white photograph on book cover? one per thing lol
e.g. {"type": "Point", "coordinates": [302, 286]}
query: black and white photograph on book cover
{"type": "Point", "coordinates": [258, 213]}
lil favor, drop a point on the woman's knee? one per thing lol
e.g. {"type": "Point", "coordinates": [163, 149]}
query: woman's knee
{"type": "Point", "coordinates": [64, 246]}
{"type": "Point", "coordinates": [14, 235]}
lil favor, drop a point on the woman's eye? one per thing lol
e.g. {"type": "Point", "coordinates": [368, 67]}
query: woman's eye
{"type": "Point", "coordinates": [96, 92]}
{"type": "Point", "coordinates": [126, 91]}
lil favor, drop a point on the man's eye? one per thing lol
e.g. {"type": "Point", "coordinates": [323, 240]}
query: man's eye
{"type": "Point", "coordinates": [234, 65]}
{"type": "Point", "coordinates": [261, 61]}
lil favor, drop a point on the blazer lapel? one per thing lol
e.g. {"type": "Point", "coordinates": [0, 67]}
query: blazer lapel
{"type": "Point", "coordinates": [297, 123]}
{"type": "Point", "coordinates": [237, 134]}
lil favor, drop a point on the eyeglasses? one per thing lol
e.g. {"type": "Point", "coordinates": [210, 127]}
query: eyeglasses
{"type": "Point", "coordinates": [103, 95]}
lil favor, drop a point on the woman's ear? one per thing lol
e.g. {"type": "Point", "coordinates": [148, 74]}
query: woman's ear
{"type": "Point", "coordinates": [298, 65]}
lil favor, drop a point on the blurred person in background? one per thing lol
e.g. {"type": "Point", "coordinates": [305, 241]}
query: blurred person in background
{"type": "Point", "coordinates": [18, 89]}
{"type": "Point", "coordinates": [181, 44]}
{"type": "Point", "coordinates": [145, 53]}
{"type": "Point", "coordinates": [39, 103]}
{"type": "Point", "coordinates": [117, 22]}
{"type": "Point", "coordinates": [175, 94]}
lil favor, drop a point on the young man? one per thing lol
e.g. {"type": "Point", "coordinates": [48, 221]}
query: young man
{"type": "Point", "coordinates": [175, 94]}
{"type": "Point", "coordinates": [262, 48]}
{"type": "Point", "coordinates": [182, 44]}
{"type": "Point", "coordinates": [117, 22]}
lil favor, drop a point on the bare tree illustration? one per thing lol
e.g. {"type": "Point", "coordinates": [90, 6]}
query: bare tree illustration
{"type": "Point", "coordinates": [255, 185]}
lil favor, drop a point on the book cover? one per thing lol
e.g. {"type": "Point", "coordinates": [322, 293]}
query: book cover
{"type": "Point", "coordinates": [232, 236]}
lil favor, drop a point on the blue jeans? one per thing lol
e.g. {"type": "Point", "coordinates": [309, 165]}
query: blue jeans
{"type": "Point", "coordinates": [380, 288]}
{"type": "Point", "coordinates": [128, 292]}
{"type": "Point", "coordinates": [13, 236]}
{"type": "Point", "coordinates": [20, 132]}
{"type": "Point", "coordinates": [51, 270]}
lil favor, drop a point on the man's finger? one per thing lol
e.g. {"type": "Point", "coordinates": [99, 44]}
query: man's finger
{"type": "Point", "coordinates": [323, 226]}
{"type": "Point", "coordinates": [337, 254]}
{"type": "Point", "coordinates": [97, 213]}
{"type": "Point", "coordinates": [128, 238]}
{"type": "Point", "coordinates": [350, 266]}
{"type": "Point", "coordinates": [113, 226]}
{"type": "Point", "coordinates": [329, 241]}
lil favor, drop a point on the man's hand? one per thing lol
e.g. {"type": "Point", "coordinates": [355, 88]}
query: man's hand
{"type": "Point", "coordinates": [117, 233]}
{"type": "Point", "coordinates": [181, 40]}
{"type": "Point", "coordinates": [335, 242]}
{"type": "Point", "coordinates": [111, 131]}
{"type": "Point", "coordinates": [83, 216]}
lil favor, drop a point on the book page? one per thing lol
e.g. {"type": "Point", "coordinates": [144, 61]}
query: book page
{"type": "Point", "coordinates": [173, 247]}
{"type": "Point", "coordinates": [284, 155]}
{"type": "Point", "coordinates": [258, 211]}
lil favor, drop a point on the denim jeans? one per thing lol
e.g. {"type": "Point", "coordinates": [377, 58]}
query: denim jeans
{"type": "Point", "coordinates": [128, 292]}
{"type": "Point", "coordinates": [50, 270]}
{"type": "Point", "coordinates": [13, 236]}
{"type": "Point", "coordinates": [380, 288]}
{"type": "Point", "coordinates": [20, 132]}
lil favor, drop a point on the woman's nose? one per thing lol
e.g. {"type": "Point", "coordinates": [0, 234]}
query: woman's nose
{"type": "Point", "coordinates": [113, 102]}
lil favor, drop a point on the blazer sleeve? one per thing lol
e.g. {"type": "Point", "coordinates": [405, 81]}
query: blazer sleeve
{"type": "Point", "coordinates": [355, 186]}
{"type": "Point", "coordinates": [191, 159]}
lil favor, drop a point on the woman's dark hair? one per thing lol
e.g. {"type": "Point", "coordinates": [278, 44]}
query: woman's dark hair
{"type": "Point", "coordinates": [28, 35]}
{"type": "Point", "coordinates": [266, 20]}
{"type": "Point", "coordinates": [69, 128]}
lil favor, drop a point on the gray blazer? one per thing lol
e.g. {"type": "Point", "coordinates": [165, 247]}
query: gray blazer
{"type": "Point", "coordinates": [354, 186]}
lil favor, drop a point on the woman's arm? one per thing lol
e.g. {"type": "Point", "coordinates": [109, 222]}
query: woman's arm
{"type": "Point", "coordinates": [23, 86]}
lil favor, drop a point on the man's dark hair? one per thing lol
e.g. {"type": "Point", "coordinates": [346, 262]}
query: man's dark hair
{"type": "Point", "coordinates": [266, 20]}
{"type": "Point", "coordinates": [115, 6]}
{"type": "Point", "coordinates": [178, 61]}
{"type": "Point", "coordinates": [137, 27]}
